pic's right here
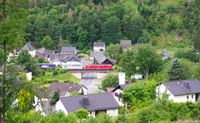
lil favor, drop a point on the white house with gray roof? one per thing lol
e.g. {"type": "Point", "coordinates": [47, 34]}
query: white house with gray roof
{"type": "Point", "coordinates": [179, 91]}
{"type": "Point", "coordinates": [99, 46]}
{"type": "Point", "coordinates": [94, 103]}
{"type": "Point", "coordinates": [31, 50]}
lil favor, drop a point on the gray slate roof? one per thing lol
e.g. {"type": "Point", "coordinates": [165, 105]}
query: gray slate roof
{"type": "Point", "coordinates": [183, 87]}
{"type": "Point", "coordinates": [99, 44]}
{"type": "Point", "coordinates": [42, 53]}
{"type": "Point", "coordinates": [64, 87]}
{"type": "Point", "coordinates": [91, 102]}
{"type": "Point", "coordinates": [28, 47]}
{"type": "Point", "coordinates": [62, 57]}
{"type": "Point", "coordinates": [68, 50]}
{"type": "Point", "coordinates": [99, 57]}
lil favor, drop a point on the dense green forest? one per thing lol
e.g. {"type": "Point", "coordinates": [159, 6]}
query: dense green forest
{"type": "Point", "coordinates": [162, 23]}
{"type": "Point", "coordinates": [156, 24]}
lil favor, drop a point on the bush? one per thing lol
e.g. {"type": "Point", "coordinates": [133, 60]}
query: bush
{"type": "Point", "coordinates": [190, 55]}
{"type": "Point", "coordinates": [82, 113]}
{"type": "Point", "coordinates": [55, 73]}
{"type": "Point", "coordinates": [111, 80]}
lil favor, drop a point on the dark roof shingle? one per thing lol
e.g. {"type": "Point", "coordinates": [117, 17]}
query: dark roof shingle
{"type": "Point", "coordinates": [68, 50]}
{"type": "Point", "coordinates": [91, 102]}
{"type": "Point", "coordinates": [28, 47]}
{"type": "Point", "coordinates": [99, 44]}
{"type": "Point", "coordinates": [64, 87]}
{"type": "Point", "coordinates": [183, 87]}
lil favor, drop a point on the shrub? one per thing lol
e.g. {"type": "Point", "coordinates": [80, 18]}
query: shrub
{"type": "Point", "coordinates": [55, 73]}
{"type": "Point", "coordinates": [82, 113]}
{"type": "Point", "coordinates": [110, 81]}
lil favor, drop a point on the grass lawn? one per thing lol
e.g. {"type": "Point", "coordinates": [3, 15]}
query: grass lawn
{"type": "Point", "coordinates": [60, 77]}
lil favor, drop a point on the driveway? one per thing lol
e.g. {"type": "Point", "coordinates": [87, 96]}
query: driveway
{"type": "Point", "coordinates": [91, 84]}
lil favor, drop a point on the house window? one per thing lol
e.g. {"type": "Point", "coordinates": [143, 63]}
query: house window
{"type": "Point", "coordinates": [192, 96]}
{"type": "Point", "coordinates": [187, 97]}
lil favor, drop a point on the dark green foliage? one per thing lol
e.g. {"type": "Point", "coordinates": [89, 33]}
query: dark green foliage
{"type": "Point", "coordinates": [176, 71]}
{"type": "Point", "coordinates": [127, 62]}
{"type": "Point", "coordinates": [1, 56]}
{"type": "Point", "coordinates": [55, 98]}
{"type": "Point", "coordinates": [192, 11]}
{"type": "Point", "coordinates": [148, 61]}
{"type": "Point", "coordinates": [111, 30]}
{"type": "Point", "coordinates": [41, 60]}
{"type": "Point", "coordinates": [191, 55]}
{"type": "Point", "coordinates": [110, 81]}
{"type": "Point", "coordinates": [139, 92]}
{"type": "Point", "coordinates": [114, 51]}
{"type": "Point", "coordinates": [55, 73]}
{"type": "Point", "coordinates": [132, 27]}
{"type": "Point", "coordinates": [23, 57]}
{"type": "Point", "coordinates": [46, 42]}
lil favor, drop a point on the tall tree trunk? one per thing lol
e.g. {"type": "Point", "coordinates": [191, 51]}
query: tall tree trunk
{"type": "Point", "coordinates": [2, 119]}
{"type": "Point", "coordinates": [146, 74]}
{"type": "Point", "coordinates": [4, 82]}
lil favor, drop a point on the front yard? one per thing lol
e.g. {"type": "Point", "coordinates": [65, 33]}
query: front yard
{"type": "Point", "coordinates": [60, 77]}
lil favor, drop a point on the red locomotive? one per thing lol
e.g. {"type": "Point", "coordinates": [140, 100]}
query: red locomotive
{"type": "Point", "coordinates": [99, 67]}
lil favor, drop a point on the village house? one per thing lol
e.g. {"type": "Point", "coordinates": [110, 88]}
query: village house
{"type": "Point", "coordinates": [100, 58]}
{"type": "Point", "coordinates": [125, 44]}
{"type": "Point", "coordinates": [31, 50]}
{"type": "Point", "coordinates": [66, 61]}
{"type": "Point", "coordinates": [94, 103]}
{"type": "Point", "coordinates": [99, 47]}
{"type": "Point", "coordinates": [118, 91]}
{"type": "Point", "coordinates": [72, 62]}
{"type": "Point", "coordinates": [179, 91]}
{"type": "Point", "coordinates": [43, 96]}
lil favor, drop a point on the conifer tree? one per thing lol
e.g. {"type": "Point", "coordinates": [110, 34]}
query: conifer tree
{"type": "Point", "coordinates": [176, 71]}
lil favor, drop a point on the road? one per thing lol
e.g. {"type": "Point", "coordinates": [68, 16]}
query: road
{"type": "Point", "coordinates": [91, 84]}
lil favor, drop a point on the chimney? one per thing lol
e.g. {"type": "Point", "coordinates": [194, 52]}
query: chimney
{"type": "Point", "coordinates": [121, 76]}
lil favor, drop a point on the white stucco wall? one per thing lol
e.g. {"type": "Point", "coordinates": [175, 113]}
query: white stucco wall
{"type": "Point", "coordinates": [184, 98]}
{"type": "Point", "coordinates": [72, 65]}
{"type": "Point", "coordinates": [119, 100]}
{"type": "Point", "coordinates": [32, 53]}
{"type": "Point", "coordinates": [60, 107]}
{"type": "Point", "coordinates": [97, 49]}
{"type": "Point", "coordinates": [112, 112]}
{"type": "Point", "coordinates": [29, 76]}
{"type": "Point", "coordinates": [37, 104]}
